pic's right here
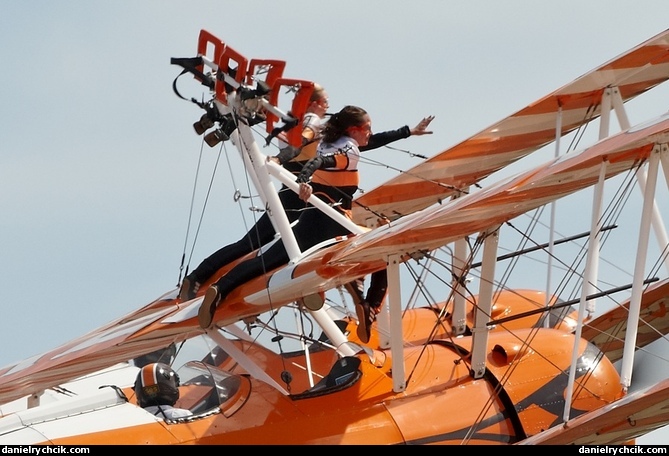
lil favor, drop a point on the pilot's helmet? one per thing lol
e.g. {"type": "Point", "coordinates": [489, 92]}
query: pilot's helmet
{"type": "Point", "coordinates": [156, 384]}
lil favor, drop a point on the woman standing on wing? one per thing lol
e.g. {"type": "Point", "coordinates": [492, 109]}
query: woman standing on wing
{"type": "Point", "coordinates": [335, 179]}
{"type": "Point", "coordinates": [293, 159]}
{"type": "Point", "coordinates": [263, 231]}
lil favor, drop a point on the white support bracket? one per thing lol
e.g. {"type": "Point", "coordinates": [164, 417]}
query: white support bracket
{"type": "Point", "coordinates": [459, 316]}
{"type": "Point", "coordinates": [484, 305]}
{"type": "Point", "coordinates": [396, 333]}
{"type": "Point", "coordinates": [34, 399]}
{"type": "Point", "coordinates": [656, 220]}
{"type": "Point", "coordinates": [605, 113]}
{"type": "Point", "coordinates": [619, 107]}
{"type": "Point", "coordinates": [460, 259]}
{"type": "Point", "coordinates": [551, 235]}
{"type": "Point", "coordinates": [588, 286]}
{"type": "Point", "coordinates": [639, 269]}
{"type": "Point", "coordinates": [251, 367]}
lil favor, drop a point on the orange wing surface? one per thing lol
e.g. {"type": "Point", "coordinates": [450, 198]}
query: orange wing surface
{"type": "Point", "coordinates": [520, 134]}
{"type": "Point", "coordinates": [117, 342]}
{"type": "Point", "coordinates": [498, 203]}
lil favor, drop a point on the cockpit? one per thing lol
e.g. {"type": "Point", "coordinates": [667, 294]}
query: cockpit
{"type": "Point", "coordinates": [206, 389]}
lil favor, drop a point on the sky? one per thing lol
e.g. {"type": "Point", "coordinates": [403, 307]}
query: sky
{"type": "Point", "coordinates": [98, 155]}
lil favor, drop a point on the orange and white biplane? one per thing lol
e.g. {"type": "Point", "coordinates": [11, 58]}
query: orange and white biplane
{"type": "Point", "coordinates": [475, 362]}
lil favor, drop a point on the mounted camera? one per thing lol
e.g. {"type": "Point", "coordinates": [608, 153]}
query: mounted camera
{"type": "Point", "coordinates": [208, 119]}
{"type": "Point", "coordinates": [204, 124]}
{"type": "Point", "coordinates": [222, 133]}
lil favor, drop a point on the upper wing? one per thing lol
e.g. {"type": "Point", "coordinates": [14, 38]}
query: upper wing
{"type": "Point", "coordinates": [499, 203]}
{"type": "Point", "coordinates": [520, 134]}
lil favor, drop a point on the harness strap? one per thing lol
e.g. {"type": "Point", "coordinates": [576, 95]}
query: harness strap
{"type": "Point", "coordinates": [189, 65]}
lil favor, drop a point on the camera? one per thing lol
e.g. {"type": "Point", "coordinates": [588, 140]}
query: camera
{"type": "Point", "coordinates": [204, 124]}
{"type": "Point", "coordinates": [222, 133]}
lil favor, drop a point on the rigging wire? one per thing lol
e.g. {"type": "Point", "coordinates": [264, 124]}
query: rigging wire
{"type": "Point", "coordinates": [372, 162]}
{"type": "Point", "coordinates": [420, 287]}
{"type": "Point", "coordinates": [408, 152]}
{"type": "Point", "coordinates": [522, 244]}
{"type": "Point", "coordinates": [190, 217]}
{"type": "Point", "coordinates": [190, 214]}
{"type": "Point", "coordinates": [441, 317]}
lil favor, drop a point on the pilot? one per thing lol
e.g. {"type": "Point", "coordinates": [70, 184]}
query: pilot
{"type": "Point", "coordinates": [157, 390]}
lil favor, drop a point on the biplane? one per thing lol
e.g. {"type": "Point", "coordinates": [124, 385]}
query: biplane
{"type": "Point", "coordinates": [475, 362]}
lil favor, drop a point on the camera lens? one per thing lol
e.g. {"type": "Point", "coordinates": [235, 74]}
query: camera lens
{"type": "Point", "coordinates": [204, 124]}
{"type": "Point", "coordinates": [216, 137]}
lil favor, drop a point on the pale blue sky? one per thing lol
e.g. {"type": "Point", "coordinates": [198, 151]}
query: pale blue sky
{"type": "Point", "coordinates": [98, 154]}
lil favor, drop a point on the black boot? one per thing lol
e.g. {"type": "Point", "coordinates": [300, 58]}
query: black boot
{"type": "Point", "coordinates": [189, 288]}
{"type": "Point", "coordinates": [211, 300]}
{"type": "Point", "coordinates": [366, 317]}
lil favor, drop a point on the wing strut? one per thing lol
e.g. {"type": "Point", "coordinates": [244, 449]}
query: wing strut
{"type": "Point", "coordinates": [243, 360]}
{"type": "Point", "coordinates": [396, 336]}
{"type": "Point", "coordinates": [484, 305]}
{"type": "Point", "coordinates": [613, 94]}
{"type": "Point", "coordinates": [461, 259]}
{"type": "Point", "coordinates": [590, 273]}
{"type": "Point", "coordinates": [551, 234]}
{"type": "Point", "coordinates": [658, 226]}
{"type": "Point", "coordinates": [639, 266]}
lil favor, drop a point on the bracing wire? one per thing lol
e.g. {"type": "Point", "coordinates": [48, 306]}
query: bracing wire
{"type": "Point", "coordinates": [202, 212]}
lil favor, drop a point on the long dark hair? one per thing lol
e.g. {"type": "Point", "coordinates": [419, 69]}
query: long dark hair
{"type": "Point", "coordinates": [337, 124]}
